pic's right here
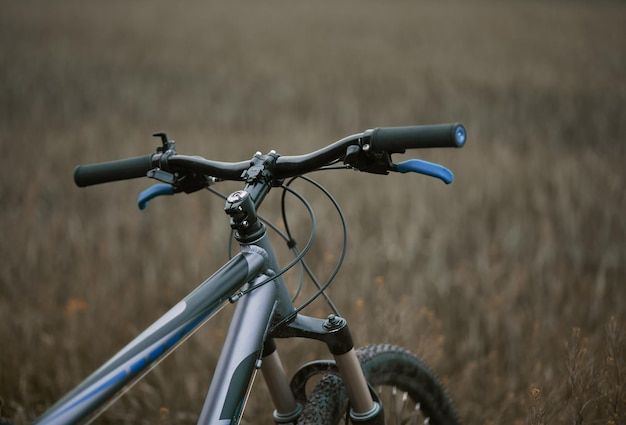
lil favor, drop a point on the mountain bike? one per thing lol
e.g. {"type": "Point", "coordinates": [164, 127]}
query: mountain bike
{"type": "Point", "coordinates": [372, 385]}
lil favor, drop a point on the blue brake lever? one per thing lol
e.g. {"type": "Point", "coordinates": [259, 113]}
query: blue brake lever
{"type": "Point", "coordinates": [153, 192]}
{"type": "Point", "coordinates": [427, 168]}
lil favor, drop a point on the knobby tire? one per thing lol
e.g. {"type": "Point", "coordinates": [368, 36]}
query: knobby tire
{"type": "Point", "coordinates": [413, 393]}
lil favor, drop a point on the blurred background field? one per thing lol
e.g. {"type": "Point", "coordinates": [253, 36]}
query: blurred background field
{"type": "Point", "coordinates": [510, 282]}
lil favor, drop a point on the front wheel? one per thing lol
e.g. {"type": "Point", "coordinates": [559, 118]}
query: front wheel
{"type": "Point", "coordinates": [408, 390]}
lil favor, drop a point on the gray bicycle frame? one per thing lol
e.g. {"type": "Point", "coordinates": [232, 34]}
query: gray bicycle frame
{"type": "Point", "coordinates": [264, 301]}
{"type": "Point", "coordinates": [240, 356]}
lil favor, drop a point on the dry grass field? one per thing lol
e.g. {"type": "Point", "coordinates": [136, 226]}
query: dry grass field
{"type": "Point", "coordinates": [511, 282]}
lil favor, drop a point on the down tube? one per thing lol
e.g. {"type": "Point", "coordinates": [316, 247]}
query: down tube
{"type": "Point", "coordinates": [155, 342]}
{"type": "Point", "coordinates": [240, 357]}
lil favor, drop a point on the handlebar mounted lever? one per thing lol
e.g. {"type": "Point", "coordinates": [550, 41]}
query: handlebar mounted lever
{"type": "Point", "coordinates": [167, 145]}
{"type": "Point", "coordinates": [362, 158]}
{"type": "Point", "coordinates": [171, 182]}
{"type": "Point", "coordinates": [187, 183]}
{"type": "Point", "coordinates": [166, 150]}
{"type": "Point", "coordinates": [426, 168]}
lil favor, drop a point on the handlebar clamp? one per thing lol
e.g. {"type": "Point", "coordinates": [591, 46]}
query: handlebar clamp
{"type": "Point", "coordinates": [362, 158]}
{"type": "Point", "coordinates": [243, 217]}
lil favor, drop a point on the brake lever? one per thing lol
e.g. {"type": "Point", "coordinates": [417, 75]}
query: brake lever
{"type": "Point", "coordinates": [152, 192]}
{"type": "Point", "coordinates": [424, 167]}
{"type": "Point", "coordinates": [188, 184]}
{"type": "Point", "coordinates": [380, 163]}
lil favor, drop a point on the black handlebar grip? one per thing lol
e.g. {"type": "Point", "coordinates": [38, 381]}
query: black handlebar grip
{"type": "Point", "coordinates": [398, 139]}
{"type": "Point", "coordinates": [121, 169]}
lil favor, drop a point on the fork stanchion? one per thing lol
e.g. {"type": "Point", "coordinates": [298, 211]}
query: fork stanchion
{"type": "Point", "coordinates": [364, 409]}
{"type": "Point", "coordinates": [287, 408]}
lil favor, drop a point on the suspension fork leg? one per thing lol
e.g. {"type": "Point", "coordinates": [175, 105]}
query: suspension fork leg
{"type": "Point", "coordinates": [364, 409]}
{"type": "Point", "coordinates": [365, 406]}
{"type": "Point", "coordinates": [287, 408]}
{"type": "Point", "coordinates": [355, 383]}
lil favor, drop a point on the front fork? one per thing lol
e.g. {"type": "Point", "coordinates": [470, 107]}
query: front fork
{"type": "Point", "coordinates": [335, 333]}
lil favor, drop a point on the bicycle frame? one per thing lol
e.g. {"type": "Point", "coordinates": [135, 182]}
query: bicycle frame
{"type": "Point", "coordinates": [241, 353]}
{"type": "Point", "coordinates": [263, 301]}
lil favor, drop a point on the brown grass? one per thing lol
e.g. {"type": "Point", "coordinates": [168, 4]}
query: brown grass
{"type": "Point", "coordinates": [510, 282]}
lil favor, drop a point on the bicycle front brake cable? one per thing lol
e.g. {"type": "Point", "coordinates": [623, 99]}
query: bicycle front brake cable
{"type": "Point", "coordinates": [322, 288]}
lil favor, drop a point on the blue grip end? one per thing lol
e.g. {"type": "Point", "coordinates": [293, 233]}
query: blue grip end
{"type": "Point", "coordinates": [153, 192]}
{"type": "Point", "coordinates": [427, 168]}
{"type": "Point", "coordinates": [460, 135]}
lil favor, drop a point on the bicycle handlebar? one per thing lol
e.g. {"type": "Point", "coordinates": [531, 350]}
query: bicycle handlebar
{"type": "Point", "coordinates": [385, 139]}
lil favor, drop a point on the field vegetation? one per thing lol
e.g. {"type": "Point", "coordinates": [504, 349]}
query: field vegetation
{"type": "Point", "coordinates": [511, 282]}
